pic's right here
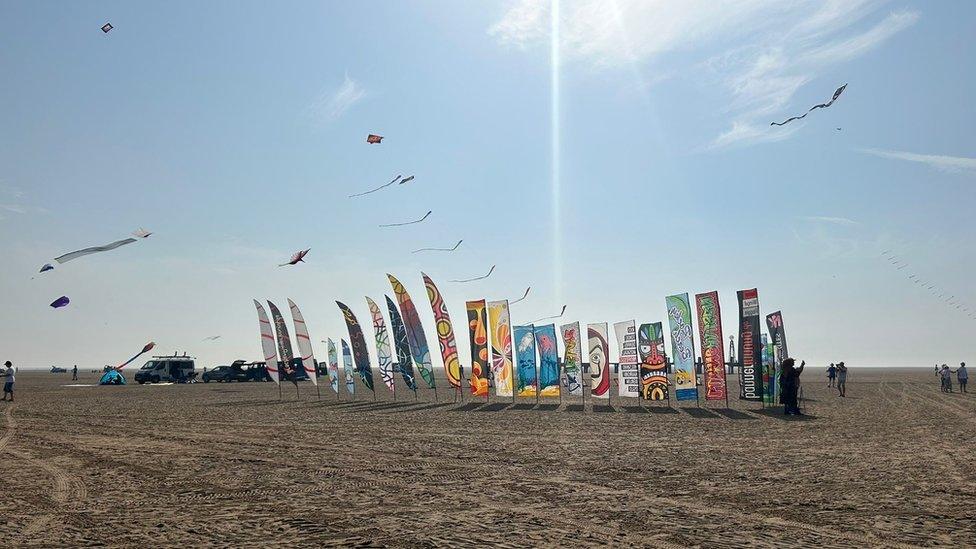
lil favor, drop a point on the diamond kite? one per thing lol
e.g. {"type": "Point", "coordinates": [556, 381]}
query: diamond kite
{"type": "Point", "coordinates": [60, 302]}
{"type": "Point", "coordinates": [374, 139]}
{"type": "Point", "coordinates": [107, 27]}
{"type": "Point", "coordinates": [296, 258]}
{"type": "Point", "coordinates": [141, 233]}
{"type": "Point", "coordinates": [837, 93]}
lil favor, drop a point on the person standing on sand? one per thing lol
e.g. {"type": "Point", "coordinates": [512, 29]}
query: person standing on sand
{"type": "Point", "coordinates": [74, 373]}
{"type": "Point", "coordinates": [10, 376]}
{"type": "Point", "coordinates": [789, 381]}
{"type": "Point", "coordinates": [962, 376]}
{"type": "Point", "coordinates": [946, 377]}
{"type": "Point", "coordinates": [831, 374]}
{"type": "Point", "coordinates": [842, 379]}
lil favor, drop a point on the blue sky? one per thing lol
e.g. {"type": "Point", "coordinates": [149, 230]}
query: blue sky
{"type": "Point", "coordinates": [236, 130]}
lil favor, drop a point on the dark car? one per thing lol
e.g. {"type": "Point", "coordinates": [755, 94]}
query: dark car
{"type": "Point", "coordinates": [225, 373]}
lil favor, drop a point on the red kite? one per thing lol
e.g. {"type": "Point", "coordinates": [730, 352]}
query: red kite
{"type": "Point", "coordinates": [374, 139]}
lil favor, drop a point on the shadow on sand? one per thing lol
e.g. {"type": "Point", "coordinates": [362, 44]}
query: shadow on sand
{"type": "Point", "coordinates": [734, 414]}
{"type": "Point", "coordinates": [777, 413]}
{"type": "Point", "coordinates": [700, 413]}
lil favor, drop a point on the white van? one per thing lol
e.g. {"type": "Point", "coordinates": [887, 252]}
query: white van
{"type": "Point", "coordinates": [163, 369]}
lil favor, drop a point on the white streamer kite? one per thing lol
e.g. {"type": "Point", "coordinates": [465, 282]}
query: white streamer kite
{"type": "Point", "coordinates": [93, 250]}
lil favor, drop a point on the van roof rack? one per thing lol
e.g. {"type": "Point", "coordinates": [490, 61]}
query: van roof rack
{"type": "Point", "coordinates": [174, 355]}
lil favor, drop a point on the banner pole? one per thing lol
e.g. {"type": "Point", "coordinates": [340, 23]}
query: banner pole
{"type": "Point", "coordinates": [279, 390]}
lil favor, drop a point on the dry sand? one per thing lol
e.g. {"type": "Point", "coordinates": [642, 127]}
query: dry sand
{"type": "Point", "coordinates": [893, 464]}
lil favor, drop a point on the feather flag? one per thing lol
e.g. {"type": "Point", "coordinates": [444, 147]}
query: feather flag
{"type": "Point", "coordinates": [267, 343]}
{"type": "Point", "coordinates": [402, 344]}
{"type": "Point", "coordinates": [347, 368]}
{"type": "Point", "coordinates": [415, 332]}
{"type": "Point", "coordinates": [445, 333]}
{"type": "Point", "coordinates": [358, 346]}
{"type": "Point", "coordinates": [333, 366]}
{"type": "Point", "coordinates": [285, 352]}
{"type": "Point", "coordinates": [383, 355]}
{"type": "Point", "coordinates": [304, 342]}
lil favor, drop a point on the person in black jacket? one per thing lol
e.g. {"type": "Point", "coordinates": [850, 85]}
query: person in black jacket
{"type": "Point", "coordinates": [789, 380]}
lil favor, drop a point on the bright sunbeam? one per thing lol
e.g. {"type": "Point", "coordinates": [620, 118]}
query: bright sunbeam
{"type": "Point", "coordinates": [557, 247]}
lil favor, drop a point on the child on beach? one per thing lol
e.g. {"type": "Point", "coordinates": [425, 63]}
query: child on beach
{"type": "Point", "coordinates": [831, 374]}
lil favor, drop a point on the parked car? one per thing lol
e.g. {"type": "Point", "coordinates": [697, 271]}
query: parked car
{"type": "Point", "coordinates": [239, 370]}
{"type": "Point", "coordinates": [225, 373]}
{"type": "Point", "coordinates": [167, 369]}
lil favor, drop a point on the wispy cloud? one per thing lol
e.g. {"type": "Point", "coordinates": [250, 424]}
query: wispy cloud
{"type": "Point", "coordinates": [945, 163]}
{"type": "Point", "coordinates": [332, 104]}
{"type": "Point", "coordinates": [771, 48]}
{"type": "Point", "coordinates": [831, 220]}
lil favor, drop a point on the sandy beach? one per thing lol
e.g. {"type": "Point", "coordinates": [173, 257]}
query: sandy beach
{"type": "Point", "coordinates": [893, 464]}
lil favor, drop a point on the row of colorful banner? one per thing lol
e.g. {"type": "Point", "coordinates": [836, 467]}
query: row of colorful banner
{"type": "Point", "coordinates": [523, 360]}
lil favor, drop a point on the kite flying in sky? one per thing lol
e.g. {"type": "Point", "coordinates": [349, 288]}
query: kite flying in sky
{"type": "Point", "coordinates": [211, 338]}
{"type": "Point", "coordinates": [426, 215]}
{"type": "Point", "coordinates": [141, 233]}
{"type": "Point", "coordinates": [47, 267]}
{"type": "Point", "coordinates": [107, 27]}
{"type": "Point", "coordinates": [60, 302]}
{"type": "Point", "coordinates": [550, 317]}
{"type": "Point", "coordinates": [478, 278]}
{"type": "Point", "coordinates": [439, 249]}
{"type": "Point", "coordinates": [395, 179]}
{"type": "Point", "coordinates": [525, 295]}
{"type": "Point", "coordinates": [93, 250]}
{"type": "Point", "coordinates": [837, 93]}
{"type": "Point", "coordinates": [296, 257]}
{"type": "Point", "coordinates": [374, 139]}
{"type": "Point", "coordinates": [144, 350]}
{"type": "Point", "coordinates": [407, 179]}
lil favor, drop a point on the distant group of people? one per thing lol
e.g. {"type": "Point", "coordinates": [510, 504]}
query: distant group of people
{"type": "Point", "coordinates": [945, 376]}
{"type": "Point", "coordinates": [837, 377]}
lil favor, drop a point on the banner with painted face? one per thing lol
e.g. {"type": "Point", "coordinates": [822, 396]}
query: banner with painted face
{"type": "Point", "coordinates": [712, 346]}
{"type": "Point", "coordinates": [628, 374]}
{"type": "Point", "coordinates": [777, 332]}
{"type": "Point", "coordinates": [501, 347]}
{"type": "Point", "coordinates": [653, 361]}
{"type": "Point", "coordinates": [545, 341]}
{"type": "Point", "coordinates": [573, 361]}
{"type": "Point", "coordinates": [526, 378]}
{"type": "Point", "coordinates": [599, 360]}
{"type": "Point", "coordinates": [478, 338]}
{"type": "Point", "coordinates": [402, 345]}
{"type": "Point", "coordinates": [682, 347]}
{"type": "Point", "coordinates": [750, 346]}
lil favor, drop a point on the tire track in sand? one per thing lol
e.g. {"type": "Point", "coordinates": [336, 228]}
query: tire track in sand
{"type": "Point", "coordinates": [65, 489]}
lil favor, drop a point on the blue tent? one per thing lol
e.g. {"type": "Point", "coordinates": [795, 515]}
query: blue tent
{"type": "Point", "coordinates": [112, 377]}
